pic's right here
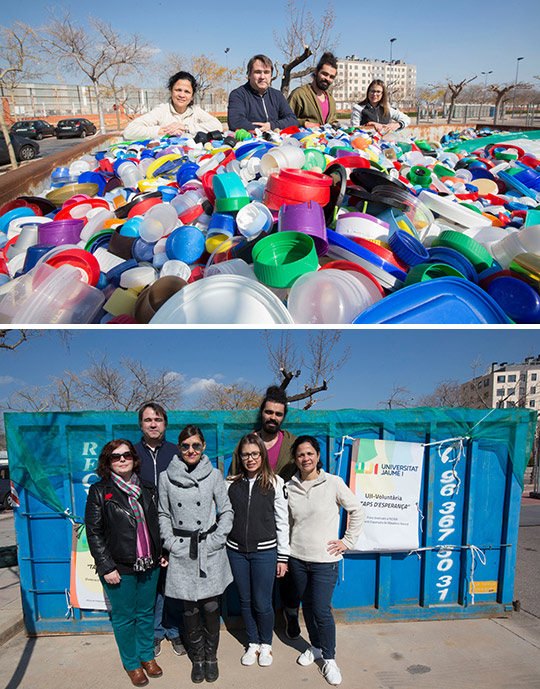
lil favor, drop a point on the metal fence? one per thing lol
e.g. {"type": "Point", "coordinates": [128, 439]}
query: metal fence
{"type": "Point", "coordinates": [463, 113]}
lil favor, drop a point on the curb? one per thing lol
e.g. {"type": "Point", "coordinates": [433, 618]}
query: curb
{"type": "Point", "coordinates": [11, 630]}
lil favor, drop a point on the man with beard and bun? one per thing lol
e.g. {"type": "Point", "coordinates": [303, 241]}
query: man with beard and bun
{"type": "Point", "coordinates": [278, 442]}
{"type": "Point", "coordinates": [311, 103]}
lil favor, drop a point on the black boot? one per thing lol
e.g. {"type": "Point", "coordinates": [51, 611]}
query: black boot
{"type": "Point", "coordinates": [194, 636]}
{"type": "Point", "coordinates": [211, 641]}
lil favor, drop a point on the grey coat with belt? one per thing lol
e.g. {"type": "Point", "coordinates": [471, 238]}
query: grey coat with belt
{"type": "Point", "coordinates": [195, 501]}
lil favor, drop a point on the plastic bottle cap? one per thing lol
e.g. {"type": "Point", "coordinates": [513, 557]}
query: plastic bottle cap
{"type": "Point", "coordinates": [279, 259]}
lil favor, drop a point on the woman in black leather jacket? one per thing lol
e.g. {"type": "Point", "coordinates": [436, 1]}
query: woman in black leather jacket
{"type": "Point", "coordinates": [122, 529]}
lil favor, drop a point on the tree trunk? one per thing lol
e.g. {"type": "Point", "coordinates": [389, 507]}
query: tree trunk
{"type": "Point", "coordinates": [99, 106]}
{"type": "Point", "coordinates": [287, 69]}
{"type": "Point", "coordinates": [7, 138]}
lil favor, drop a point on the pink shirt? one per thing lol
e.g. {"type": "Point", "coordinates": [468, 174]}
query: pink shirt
{"type": "Point", "coordinates": [273, 452]}
{"type": "Point", "coordinates": [325, 107]}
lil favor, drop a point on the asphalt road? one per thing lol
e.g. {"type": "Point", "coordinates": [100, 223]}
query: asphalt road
{"type": "Point", "coordinates": [50, 146]}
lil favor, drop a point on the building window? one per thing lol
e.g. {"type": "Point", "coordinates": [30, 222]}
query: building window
{"type": "Point", "coordinates": [486, 382]}
{"type": "Point", "coordinates": [500, 392]}
{"type": "Point", "coordinates": [511, 379]}
{"type": "Point", "coordinates": [533, 391]}
{"type": "Point", "coordinates": [501, 379]}
{"type": "Point", "coordinates": [522, 376]}
{"type": "Point", "coordinates": [533, 376]}
{"type": "Point", "coordinates": [532, 403]}
{"type": "Point", "coordinates": [511, 391]}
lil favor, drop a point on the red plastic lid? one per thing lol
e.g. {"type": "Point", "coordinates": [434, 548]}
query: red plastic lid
{"type": "Point", "coordinates": [383, 253]}
{"type": "Point", "coordinates": [3, 266]}
{"type": "Point", "coordinates": [294, 188]}
{"type": "Point", "coordinates": [351, 161]}
{"type": "Point", "coordinates": [66, 212]}
{"type": "Point", "coordinates": [191, 214]}
{"type": "Point", "coordinates": [306, 177]}
{"type": "Point", "coordinates": [86, 262]}
{"type": "Point", "coordinates": [141, 207]}
{"type": "Point", "coordinates": [349, 265]}
{"type": "Point", "coordinates": [106, 165]}
{"type": "Point", "coordinates": [206, 180]}
{"type": "Point", "coordinates": [293, 129]}
{"type": "Point", "coordinates": [196, 274]}
{"type": "Point", "coordinates": [6, 246]}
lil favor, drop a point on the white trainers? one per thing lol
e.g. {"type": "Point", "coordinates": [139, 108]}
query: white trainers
{"type": "Point", "coordinates": [265, 655]}
{"type": "Point", "coordinates": [331, 672]}
{"type": "Point", "coordinates": [310, 655]}
{"type": "Point", "coordinates": [250, 656]}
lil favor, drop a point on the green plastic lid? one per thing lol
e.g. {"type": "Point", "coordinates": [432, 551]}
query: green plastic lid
{"type": "Point", "coordinates": [282, 257]}
{"type": "Point", "coordinates": [468, 247]}
{"type": "Point", "coordinates": [231, 205]}
{"type": "Point", "coordinates": [430, 271]}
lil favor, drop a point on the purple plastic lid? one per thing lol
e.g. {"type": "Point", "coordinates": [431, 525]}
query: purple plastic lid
{"type": "Point", "coordinates": [57, 232]}
{"type": "Point", "coordinates": [307, 218]}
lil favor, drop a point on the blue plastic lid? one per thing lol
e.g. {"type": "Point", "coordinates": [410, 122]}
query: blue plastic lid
{"type": "Point", "coordinates": [185, 244]}
{"type": "Point", "coordinates": [142, 251]}
{"type": "Point", "coordinates": [517, 299]}
{"type": "Point", "coordinates": [114, 274]}
{"type": "Point", "coordinates": [407, 248]}
{"type": "Point", "coordinates": [443, 254]}
{"type": "Point", "coordinates": [342, 242]}
{"type": "Point", "coordinates": [441, 301]}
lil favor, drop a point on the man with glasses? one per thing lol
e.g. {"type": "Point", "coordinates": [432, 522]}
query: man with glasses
{"type": "Point", "coordinates": [278, 443]}
{"type": "Point", "coordinates": [155, 454]}
{"type": "Point", "coordinates": [312, 103]}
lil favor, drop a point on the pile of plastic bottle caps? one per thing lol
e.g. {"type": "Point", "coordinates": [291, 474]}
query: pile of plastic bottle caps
{"type": "Point", "coordinates": [322, 226]}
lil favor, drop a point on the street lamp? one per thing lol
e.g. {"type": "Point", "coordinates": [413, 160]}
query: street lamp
{"type": "Point", "coordinates": [227, 67]}
{"type": "Point", "coordinates": [515, 85]}
{"type": "Point", "coordinates": [485, 88]}
{"type": "Point", "coordinates": [391, 70]}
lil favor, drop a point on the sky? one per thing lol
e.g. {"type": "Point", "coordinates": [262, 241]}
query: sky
{"type": "Point", "coordinates": [380, 358]}
{"type": "Point", "coordinates": [443, 39]}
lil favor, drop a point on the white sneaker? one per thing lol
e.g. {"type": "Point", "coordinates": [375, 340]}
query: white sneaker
{"type": "Point", "coordinates": [250, 656]}
{"type": "Point", "coordinates": [331, 672]}
{"type": "Point", "coordinates": [310, 655]}
{"type": "Point", "coordinates": [265, 655]}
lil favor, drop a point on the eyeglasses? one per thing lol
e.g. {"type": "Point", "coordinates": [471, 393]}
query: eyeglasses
{"type": "Point", "coordinates": [184, 447]}
{"type": "Point", "coordinates": [247, 455]}
{"type": "Point", "coordinates": [116, 457]}
{"type": "Point", "coordinates": [376, 93]}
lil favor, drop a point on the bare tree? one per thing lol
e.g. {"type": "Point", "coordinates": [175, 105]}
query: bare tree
{"type": "Point", "coordinates": [209, 75]}
{"type": "Point", "coordinates": [18, 60]}
{"type": "Point", "coordinates": [399, 398]}
{"type": "Point", "coordinates": [234, 396]}
{"type": "Point", "coordinates": [502, 92]}
{"type": "Point", "coordinates": [321, 361]}
{"type": "Point", "coordinates": [93, 50]}
{"type": "Point", "coordinates": [455, 90]}
{"type": "Point", "coordinates": [447, 393]}
{"type": "Point", "coordinates": [103, 386]}
{"type": "Point", "coordinates": [12, 339]}
{"type": "Point", "coordinates": [304, 37]}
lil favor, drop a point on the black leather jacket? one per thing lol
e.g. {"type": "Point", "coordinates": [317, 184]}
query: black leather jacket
{"type": "Point", "coordinates": [111, 527]}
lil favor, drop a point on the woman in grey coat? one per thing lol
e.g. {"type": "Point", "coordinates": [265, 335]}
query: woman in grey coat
{"type": "Point", "coordinates": [195, 517]}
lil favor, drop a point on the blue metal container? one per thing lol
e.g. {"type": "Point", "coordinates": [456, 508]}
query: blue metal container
{"type": "Point", "coordinates": [471, 503]}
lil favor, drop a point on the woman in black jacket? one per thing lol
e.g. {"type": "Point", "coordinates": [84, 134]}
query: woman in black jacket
{"type": "Point", "coordinates": [258, 544]}
{"type": "Point", "coordinates": [122, 529]}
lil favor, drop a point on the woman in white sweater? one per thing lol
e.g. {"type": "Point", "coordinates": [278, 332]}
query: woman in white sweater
{"type": "Point", "coordinates": [178, 116]}
{"type": "Point", "coordinates": [315, 499]}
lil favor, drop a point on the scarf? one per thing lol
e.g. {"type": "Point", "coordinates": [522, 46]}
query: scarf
{"type": "Point", "coordinates": [132, 488]}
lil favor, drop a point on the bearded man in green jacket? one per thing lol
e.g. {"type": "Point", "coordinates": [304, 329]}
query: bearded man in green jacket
{"type": "Point", "coordinates": [311, 103]}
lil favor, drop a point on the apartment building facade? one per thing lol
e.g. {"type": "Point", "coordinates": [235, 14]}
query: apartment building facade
{"type": "Point", "coordinates": [355, 74]}
{"type": "Point", "coordinates": [505, 385]}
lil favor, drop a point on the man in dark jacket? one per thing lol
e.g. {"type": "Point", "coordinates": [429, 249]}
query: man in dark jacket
{"type": "Point", "coordinates": [155, 454]}
{"type": "Point", "coordinates": [255, 104]}
{"type": "Point", "coordinates": [278, 443]}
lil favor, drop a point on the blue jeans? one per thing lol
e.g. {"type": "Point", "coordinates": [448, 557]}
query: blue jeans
{"type": "Point", "coordinates": [254, 575]}
{"type": "Point", "coordinates": [132, 615]}
{"type": "Point", "coordinates": [315, 582]}
{"type": "Point", "coordinates": [168, 612]}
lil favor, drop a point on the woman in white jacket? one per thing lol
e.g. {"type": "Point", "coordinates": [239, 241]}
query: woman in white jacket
{"type": "Point", "coordinates": [375, 111]}
{"type": "Point", "coordinates": [315, 500]}
{"type": "Point", "coordinates": [258, 544]}
{"type": "Point", "coordinates": [177, 117]}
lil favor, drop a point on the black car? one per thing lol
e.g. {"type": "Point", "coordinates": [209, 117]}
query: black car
{"type": "Point", "coordinates": [33, 129]}
{"type": "Point", "coordinates": [75, 126]}
{"type": "Point", "coordinates": [5, 488]}
{"type": "Point", "coordinates": [25, 149]}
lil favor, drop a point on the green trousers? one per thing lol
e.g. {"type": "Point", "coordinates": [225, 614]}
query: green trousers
{"type": "Point", "coordinates": [132, 615]}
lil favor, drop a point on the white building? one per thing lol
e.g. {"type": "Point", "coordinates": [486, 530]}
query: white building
{"type": "Point", "coordinates": [354, 76]}
{"type": "Point", "coordinates": [505, 385]}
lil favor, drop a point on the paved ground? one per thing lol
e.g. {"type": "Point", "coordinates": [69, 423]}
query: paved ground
{"type": "Point", "coordinates": [480, 654]}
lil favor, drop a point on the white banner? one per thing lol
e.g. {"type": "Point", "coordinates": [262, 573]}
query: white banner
{"type": "Point", "coordinates": [86, 591]}
{"type": "Point", "coordinates": [386, 477]}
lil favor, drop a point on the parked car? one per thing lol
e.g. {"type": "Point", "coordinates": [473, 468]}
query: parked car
{"type": "Point", "coordinates": [33, 129]}
{"type": "Point", "coordinates": [25, 149]}
{"type": "Point", "coordinates": [5, 488]}
{"type": "Point", "coordinates": [75, 126]}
